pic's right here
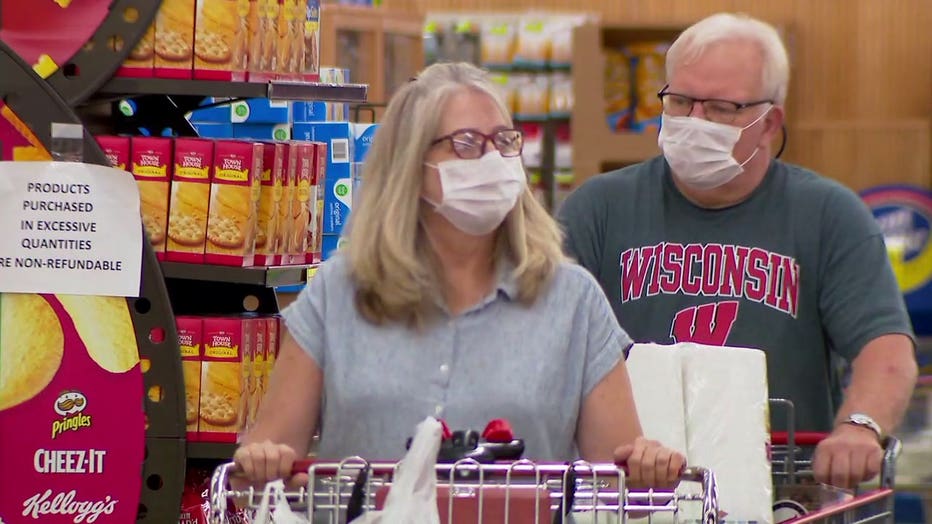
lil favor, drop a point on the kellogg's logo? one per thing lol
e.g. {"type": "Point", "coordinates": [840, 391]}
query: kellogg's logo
{"type": "Point", "coordinates": [70, 406]}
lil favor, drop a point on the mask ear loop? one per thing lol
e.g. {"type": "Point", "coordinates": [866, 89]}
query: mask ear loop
{"type": "Point", "coordinates": [782, 142]}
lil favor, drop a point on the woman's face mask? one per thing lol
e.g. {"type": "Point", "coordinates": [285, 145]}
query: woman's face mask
{"type": "Point", "coordinates": [700, 152]}
{"type": "Point", "coordinates": [479, 193]}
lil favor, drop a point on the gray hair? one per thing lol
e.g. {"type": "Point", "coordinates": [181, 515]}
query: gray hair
{"type": "Point", "coordinates": [694, 41]}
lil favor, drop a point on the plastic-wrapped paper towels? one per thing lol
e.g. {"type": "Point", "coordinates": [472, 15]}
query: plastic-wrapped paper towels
{"type": "Point", "coordinates": [715, 400]}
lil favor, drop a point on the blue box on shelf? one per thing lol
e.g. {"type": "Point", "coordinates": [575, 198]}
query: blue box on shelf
{"type": "Point", "coordinates": [212, 130]}
{"type": "Point", "coordinates": [259, 111]}
{"type": "Point", "coordinates": [279, 132]}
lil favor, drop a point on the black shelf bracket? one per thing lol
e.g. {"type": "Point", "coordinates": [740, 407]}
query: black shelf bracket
{"type": "Point", "coordinates": [96, 61]}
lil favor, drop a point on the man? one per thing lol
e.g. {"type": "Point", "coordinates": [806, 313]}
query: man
{"type": "Point", "coordinates": [715, 242]}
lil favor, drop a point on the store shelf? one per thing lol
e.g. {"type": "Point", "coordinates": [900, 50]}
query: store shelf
{"type": "Point", "coordinates": [254, 276]}
{"type": "Point", "coordinates": [210, 451]}
{"type": "Point", "coordinates": [316, 91]}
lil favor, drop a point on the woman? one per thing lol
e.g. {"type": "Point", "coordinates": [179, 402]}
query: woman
{"type": "Point", "coordinates": [454, 300]}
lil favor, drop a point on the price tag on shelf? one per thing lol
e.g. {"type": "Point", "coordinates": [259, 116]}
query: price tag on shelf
{"type": "Point", "coordinates": [71, 228]}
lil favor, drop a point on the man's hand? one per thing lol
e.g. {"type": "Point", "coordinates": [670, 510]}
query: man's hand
{"type": "Point", "coordinates": [847, 457]}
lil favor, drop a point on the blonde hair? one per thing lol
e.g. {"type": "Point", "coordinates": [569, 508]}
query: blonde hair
{"type": "Point", "coordinates": [693, 42]}
{"type": "Point", "coordinates": [390, 261]}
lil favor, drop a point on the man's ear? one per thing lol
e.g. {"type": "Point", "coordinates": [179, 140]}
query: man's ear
{"type": "Point", "coordinates": [773, 124]}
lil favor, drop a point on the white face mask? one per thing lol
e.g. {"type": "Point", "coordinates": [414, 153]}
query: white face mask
{"type": "Point", "coordinates": [700, 152]}
{"type": "Point", "coordinates": [479, 193]}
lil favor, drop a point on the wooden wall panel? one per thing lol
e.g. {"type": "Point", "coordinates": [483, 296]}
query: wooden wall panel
{"type": "Point", "coordinates": [858, 67]}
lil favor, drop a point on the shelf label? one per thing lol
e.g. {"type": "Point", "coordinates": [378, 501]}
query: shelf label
{"type": "Point", "coordinates": [70, 228]}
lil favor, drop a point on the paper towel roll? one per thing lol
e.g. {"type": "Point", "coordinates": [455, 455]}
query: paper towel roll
{"type": "Point", "coordinates": [656, 374]}
{"type": "Point", "coordinates": [727, 421]}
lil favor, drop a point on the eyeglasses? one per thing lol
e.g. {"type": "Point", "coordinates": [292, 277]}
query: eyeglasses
{"type": "Point", "coordinates": [470, 144]}
{"type": "Point", "coordinates": [718, 111]}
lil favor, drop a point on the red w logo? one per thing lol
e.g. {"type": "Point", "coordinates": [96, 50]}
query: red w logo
{"type": "Point", "coordinates": [708, 324]}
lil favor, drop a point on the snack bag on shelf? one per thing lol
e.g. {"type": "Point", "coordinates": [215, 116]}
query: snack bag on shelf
{"type": "Point", "coordinates": [509, 89]}
{"type": "Point", "coordinates": [220, 40]}
{"type": "Point", "coordinates": [649, 79]}
{"type": "Point", "coordinates": [532, 44]}
{"type": "Point", "coordinates": [141, 60]}
{"type": "Point", "coordinates": [498, 42]}
{"type": "Point", "coordinates": [270, 199]}
{"type": "Point", "coordinates": [174, 39]}
{"type": "Point", "coordinates": [619, 106]}
{"type": "Point", "coordinates": [234, 197]}
{"type": "Point", "coordinates": [190, 339]}
{"type": "Point", "coordinates": [289, 175]}
{"type": "Point", "coordinates": [561, 41]}
{"type": "Point", "coordinates": [533, 95]}
{"type": "Point", "coordinates": [311, 49]}
{"type": "Point", "coordinates": [116, 149]}
{"type": "Point", "coordinates": [152, 167]}
{"type": "Point", "coordinates": [227, 341]}
{"type": "Point", "coordinates": [190, 195]}
{"type": "Point", "coordinates": [561, 95]}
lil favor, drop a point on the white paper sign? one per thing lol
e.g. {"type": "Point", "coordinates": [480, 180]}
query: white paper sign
{"type": "Point", "coordinates": [69, 228]}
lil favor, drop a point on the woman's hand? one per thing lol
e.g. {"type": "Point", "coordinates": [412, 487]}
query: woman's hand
{"type": "Point", "coordinates": [650, 464]}
{"type": "Point", "coordinates": [261, 462]}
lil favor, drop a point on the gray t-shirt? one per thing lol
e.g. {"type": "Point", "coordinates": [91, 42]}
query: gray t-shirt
{"type": "Point", "coordinates": [799, 270]}
{"type": "Point", "coordinates": [530, 365]}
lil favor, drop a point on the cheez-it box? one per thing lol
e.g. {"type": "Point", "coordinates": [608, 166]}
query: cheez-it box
{"type": "Point", "coordinates": [234, 197]}
{"type": "Point", "coordinates": [190, 194]}
{"type": "Point", "coordinates": [190, 339]}
{"type": "Point", "coordinates": [152, 168]}
{"type": "Point", "coordinates": [227, 341]}
{"type": "Point", "coordinates": [270, 197]}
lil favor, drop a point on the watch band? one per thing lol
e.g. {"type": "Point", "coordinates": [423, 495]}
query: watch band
{"type": "Point", "coordinates": [865, 421]}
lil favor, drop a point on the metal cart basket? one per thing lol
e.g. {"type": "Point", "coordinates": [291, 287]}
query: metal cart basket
{"type": "Point", "coordinates": [520, 492]}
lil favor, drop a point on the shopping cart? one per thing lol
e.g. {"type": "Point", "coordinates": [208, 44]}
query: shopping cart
{"type": "Point", "coordinates": [796, 489]}
{"type": "Point", "coordinates": [518, 492]}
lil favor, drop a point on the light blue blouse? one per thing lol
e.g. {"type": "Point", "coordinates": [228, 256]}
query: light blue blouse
{"type": "Point", "coordinates": [501, 359]}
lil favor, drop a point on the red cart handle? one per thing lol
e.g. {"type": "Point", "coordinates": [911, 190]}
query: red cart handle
{"type": "Point", "coordinates": [801, 438]}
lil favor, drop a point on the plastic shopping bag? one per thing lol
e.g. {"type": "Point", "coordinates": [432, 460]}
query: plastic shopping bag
{"type": "Point", "coordinates": [273, 507]}
{"type": "Point", "coordinates": [413, 495]}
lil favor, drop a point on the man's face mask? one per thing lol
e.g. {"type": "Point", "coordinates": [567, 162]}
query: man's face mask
{"type": "Point", "coordinates": [479, 193]}
{"type": "Point", "coordinates": [700, 151]}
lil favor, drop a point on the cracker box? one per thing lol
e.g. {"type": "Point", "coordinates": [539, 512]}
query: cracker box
{"type": "Point", "coordinates": [140, 63]}
{"type": "Point", "coordinates": [289, 174]}
{"type": "Point", "coordinates": [338, 192]}
{"type": "Point", "coordinates": [190, 339]}
{"type": "Point", "coordinates": [174, 39]}
{"type": "Point", "coordinates": [311, 67]}
{"type": "Point", "coordinates": [290, 54]}
{"type": "Point", "coordinates": [274, 340]}
{"type": "Point", "coordinates": [116, 149]}
{"type": "Point", "coordinates": [270, 198]}
{"type": "Point", "coordinates": [234, 197]}
{"type": "Point", "coordinates": [227, 341]}
{"type": "Point", "coordinates": [263, 69]}
{"type": "Point", "coordinates": [315, 231]}
{"type": "Point", "coordinates": [259, 111]}
{"type": "Point", "coordinates": [190, 194]}
{"type": "Point", "coordinates": [152, 167]}
{"type": "Point", "coordinates": [304, 201]}
{"type": "Point", "coordinates": [257, 369]}
{"type": "Point", "coordinates": [220, 41]}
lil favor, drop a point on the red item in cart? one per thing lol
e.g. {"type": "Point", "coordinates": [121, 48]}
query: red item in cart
{"type": "Point", "coordinates": [498, 430]}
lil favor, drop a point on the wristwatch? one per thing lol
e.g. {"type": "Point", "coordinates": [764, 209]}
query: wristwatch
{"type": "Point", "coordinates": [865, 421]}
